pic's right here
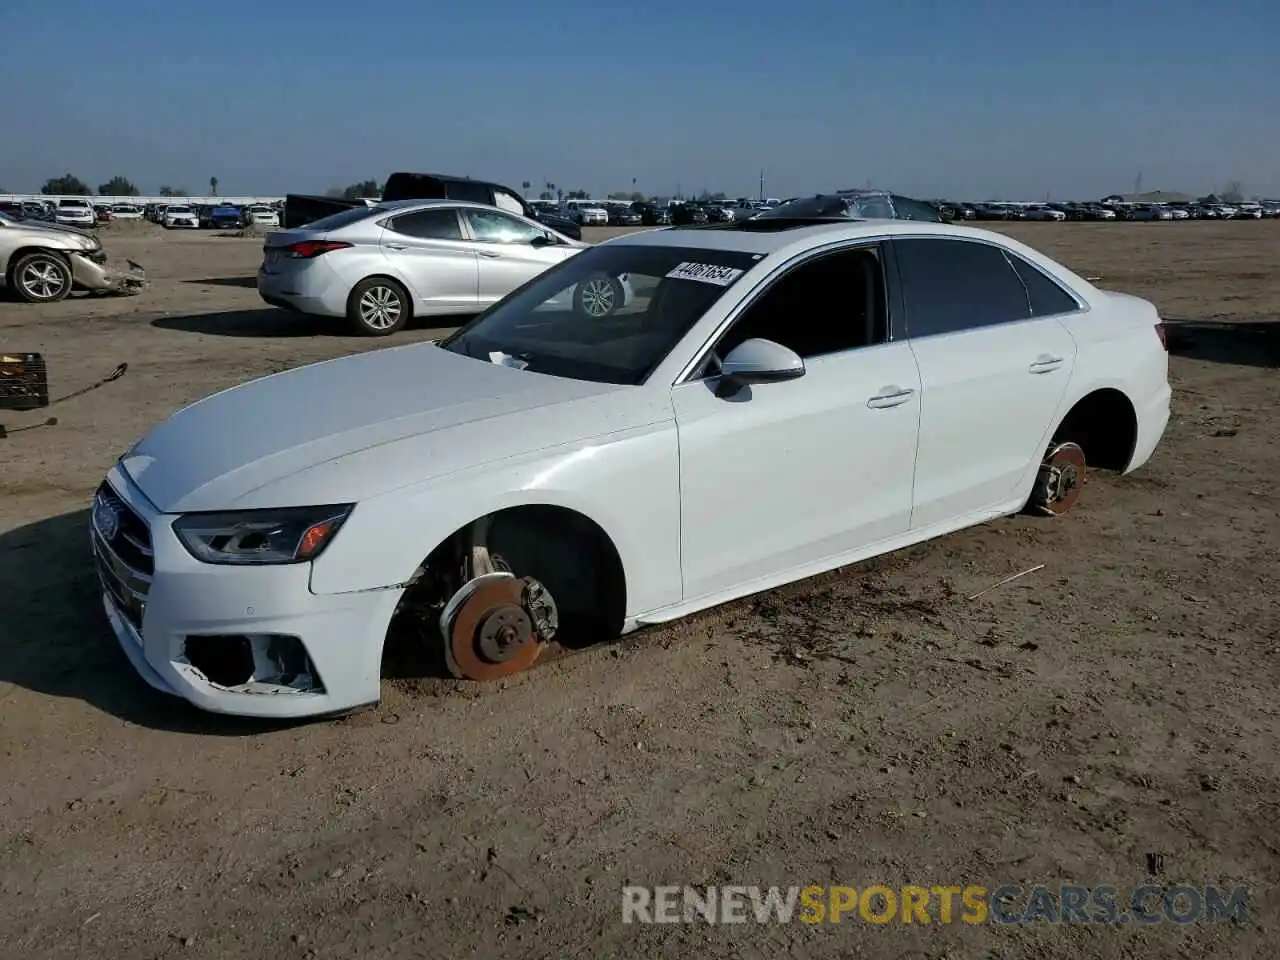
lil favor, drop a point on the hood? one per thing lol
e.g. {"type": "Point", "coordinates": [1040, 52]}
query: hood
{"type": "Point", "coordinates": [57, 231]}
{"type": "Point", "coordinates": [217, 453]}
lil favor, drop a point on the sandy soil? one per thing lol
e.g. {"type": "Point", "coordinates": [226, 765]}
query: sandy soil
{"type": "Point", "coordinates": [868, 726]}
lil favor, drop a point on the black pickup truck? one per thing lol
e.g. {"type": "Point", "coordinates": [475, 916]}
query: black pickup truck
{"type": "Point", "coordinates": [301, 209]}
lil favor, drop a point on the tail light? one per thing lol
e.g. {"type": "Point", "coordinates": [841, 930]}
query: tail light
{"type": "Point", "coordinates": [309, 249]}
{"type": "Point", "coordinates": [1163, 333]}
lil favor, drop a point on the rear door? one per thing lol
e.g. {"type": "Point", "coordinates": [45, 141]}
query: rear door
{"type": "Point", "coordinates": [431, 253]}
{"type": "Point", "coordinates": [993, 370]}
{"type": "Point", "coordinates": [508, 254]}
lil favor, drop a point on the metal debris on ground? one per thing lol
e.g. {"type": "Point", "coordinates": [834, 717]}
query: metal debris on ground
{"type": "Point", "coordinates": [1009, 579]}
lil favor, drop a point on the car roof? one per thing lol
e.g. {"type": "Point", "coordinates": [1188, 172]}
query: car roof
{"type": "Point", "coordinates": [795, 239]}
{"type": "Point", "coordinates": [435, 202]}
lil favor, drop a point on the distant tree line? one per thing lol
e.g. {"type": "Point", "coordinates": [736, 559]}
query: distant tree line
{"type": "Point", "coordinates": [69, 185]}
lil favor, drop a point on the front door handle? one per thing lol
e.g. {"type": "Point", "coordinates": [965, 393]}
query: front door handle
{"type": "Point", "coordinates": [491, 254]}
{"type": "Point", "coordinates": [395, 246]}
{"type": "Point", "coordinates": [889, 397]}
{"type": "Point", "coordinates": [1045, 364]}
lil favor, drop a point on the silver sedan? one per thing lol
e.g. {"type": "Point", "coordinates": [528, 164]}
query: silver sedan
{"type": "Point", "coordinates": [379, 266]}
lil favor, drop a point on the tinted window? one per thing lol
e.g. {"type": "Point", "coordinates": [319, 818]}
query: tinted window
{"type": "Point", "coordinates": [954, 285]}
{"type": "Point", "coordinates": [496, 227]}
{"type": "Point", "coordinates": [833, 303]}
{"type": "Point", "coordinates": [1047, 298]}
{"type": "Point", "coordinates": [429, 225]}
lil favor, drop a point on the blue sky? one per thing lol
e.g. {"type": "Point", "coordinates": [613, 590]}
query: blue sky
{"type": "Point", "coordinates": [972, 99]}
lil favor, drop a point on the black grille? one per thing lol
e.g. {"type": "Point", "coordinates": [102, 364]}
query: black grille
{"type": "Point", "coordinates": [127, 603]}
{"type": "Point", "coordinates": [132, 540]}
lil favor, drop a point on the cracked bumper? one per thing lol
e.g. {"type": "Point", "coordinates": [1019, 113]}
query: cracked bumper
{"type": "Point", "coordinates": [107, 276]}
{"type": "Point", "coordinates": [342, 634]}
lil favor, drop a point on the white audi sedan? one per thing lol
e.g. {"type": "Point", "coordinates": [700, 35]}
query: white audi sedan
{"type": "Point", "coordinates": [780, 398]}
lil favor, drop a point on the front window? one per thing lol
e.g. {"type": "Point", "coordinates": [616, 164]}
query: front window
{"type": "Point", "coordinates": [494, 227]}
{"type": "Point", "coordinates": [554, 324]}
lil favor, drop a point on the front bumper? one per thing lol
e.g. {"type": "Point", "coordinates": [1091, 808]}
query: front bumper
{"type": "Point", "coordinates": [93, 271]}
{"type": "Point", "coordinates": [228, 609]}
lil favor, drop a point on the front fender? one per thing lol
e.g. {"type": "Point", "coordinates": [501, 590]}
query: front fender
{"type": "Point", "coordinates": [628, 484]}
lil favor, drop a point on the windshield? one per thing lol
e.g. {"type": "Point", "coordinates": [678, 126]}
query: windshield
{"type": "Point", "coordinates": [547, 326]}
{"type": "Point", "coordinates": [179, 209]}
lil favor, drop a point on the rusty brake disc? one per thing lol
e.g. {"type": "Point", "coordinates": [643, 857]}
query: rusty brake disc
{"type": "Point", "coordinates": [1061, 480]}
{"type": "Point", "coordinates": [492, 635]}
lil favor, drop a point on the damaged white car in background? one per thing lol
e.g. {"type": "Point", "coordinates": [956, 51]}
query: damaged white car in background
{"type": "Point", "coordinates": [41, 262]}
{"type": "Point", "coordinates": [781, 397]}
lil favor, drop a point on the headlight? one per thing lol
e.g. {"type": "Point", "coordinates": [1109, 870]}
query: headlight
{"type": "Point", "coordinates": [289, 535]}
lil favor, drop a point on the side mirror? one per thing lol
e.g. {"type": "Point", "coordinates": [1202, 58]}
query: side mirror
{"type": "Point", "coordinates": [543, 240]}
{"type": "Point", "coordinates": [757, 361]}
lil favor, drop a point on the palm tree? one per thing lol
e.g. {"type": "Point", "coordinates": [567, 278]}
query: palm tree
{"type": "Point", "coordinates": [524, 185]}
{"type": "Point", "coordinates": [213, 186]}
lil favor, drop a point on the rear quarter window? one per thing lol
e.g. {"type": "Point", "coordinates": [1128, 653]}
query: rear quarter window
{"type": "Point", "coordinates": [1046, 296]}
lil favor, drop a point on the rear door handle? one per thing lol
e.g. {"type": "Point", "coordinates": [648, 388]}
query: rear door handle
{"type": "Point", "coordinates": [491, 254]}
{"type": "Point", "coordinates": [1045, 364]}
{"type": "Point", "coordinates": [395, 246]}
{"type": "Point", "coordinates": [889, 397]}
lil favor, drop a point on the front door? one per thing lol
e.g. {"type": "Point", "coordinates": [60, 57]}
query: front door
{"type": "Point", "coordinates": [785, 475]}
{"type": "Point", "coordinates": [509, 252]}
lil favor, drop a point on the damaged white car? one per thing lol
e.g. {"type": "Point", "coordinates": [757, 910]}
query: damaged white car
{"type": "Point", "coordinates": [780, 398]}
{"type": "Point", "coordinates": [41, 262]}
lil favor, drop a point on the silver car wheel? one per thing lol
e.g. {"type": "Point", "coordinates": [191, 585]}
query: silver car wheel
{"type": "Point", "coordinates": [598, 297]}
{"type": "Point", "coordinates": [380, 308]}
{"type": "Point", "coordinates": [43, 280]}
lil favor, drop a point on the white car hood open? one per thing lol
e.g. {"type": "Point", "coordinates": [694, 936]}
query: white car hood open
{"type": "Point", "coordinates": [216, 453]}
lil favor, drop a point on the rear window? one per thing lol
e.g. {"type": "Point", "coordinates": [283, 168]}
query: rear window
{"type": "Point", "coordinates": [344, 218]}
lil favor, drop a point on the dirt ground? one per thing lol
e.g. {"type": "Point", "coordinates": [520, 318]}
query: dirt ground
{"type": "Point", "coordinates": [1110, 719]}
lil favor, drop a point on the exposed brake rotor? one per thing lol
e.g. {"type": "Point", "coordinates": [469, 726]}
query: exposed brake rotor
{"type": "Point", "coordinates": [1061, 479]}
{"type": "Point", "coordinates": [500, 628]}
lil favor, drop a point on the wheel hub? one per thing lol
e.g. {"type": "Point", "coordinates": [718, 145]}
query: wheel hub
{"type": "Point", "coordinates": [504, 630]}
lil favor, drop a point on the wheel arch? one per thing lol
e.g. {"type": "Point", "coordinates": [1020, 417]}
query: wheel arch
{"type": "Point", "coordinates": [1104, 422]}
{"type": "Point", "coordinates": [563, 540]}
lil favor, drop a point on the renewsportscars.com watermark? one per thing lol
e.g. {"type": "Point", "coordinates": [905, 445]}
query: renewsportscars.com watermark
{"type": "Point", "coordinates": [878, 904]}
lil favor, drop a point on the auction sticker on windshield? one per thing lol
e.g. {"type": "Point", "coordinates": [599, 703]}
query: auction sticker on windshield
{"type": "Point", "coordinates": [705, 272]}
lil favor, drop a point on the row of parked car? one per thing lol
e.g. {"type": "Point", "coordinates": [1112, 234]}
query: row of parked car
{"type": "Point", "coordinates": [85, 214]}
{"type": "Point", "coordinates": [212, 216]}
{"type": "Point", "coordinates": [1255, 210]}
{"type": "Point", "coordinates": [650, 213]}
